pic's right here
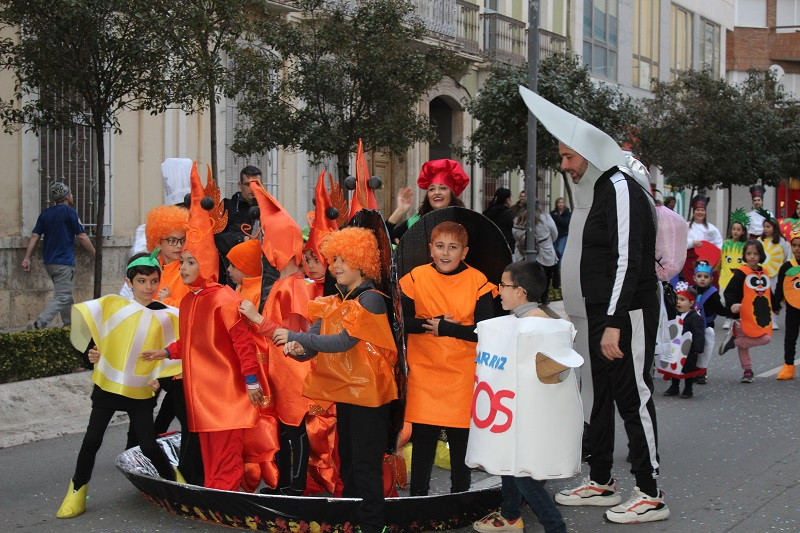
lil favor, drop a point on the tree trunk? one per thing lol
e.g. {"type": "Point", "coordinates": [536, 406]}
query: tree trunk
{"type": "Point", "coordinates": [101, 204]}
{"type": "Point", "coordinates": [343, 167]}
{"type": "Point", "coordinates": [212, 111]}
{"type": "Point", "coordinates": [730, 210]}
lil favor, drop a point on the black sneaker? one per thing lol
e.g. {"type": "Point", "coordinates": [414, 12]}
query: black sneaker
{"type": "Point", "coordinates": [747, 377]}
{"type": "Point", "coordinates": [686, 394]}
{"type": "Point", "coordinates": [672, 391]}
{"type": "Point", "coordinates": [701, 380]}
{"type": "Point", "coordinates": [727, 343]}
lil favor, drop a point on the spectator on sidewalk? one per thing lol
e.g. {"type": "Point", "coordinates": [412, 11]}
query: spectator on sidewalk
{"type": "Point", "coordinates": [59, 226]}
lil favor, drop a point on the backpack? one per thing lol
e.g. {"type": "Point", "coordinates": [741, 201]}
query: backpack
{"type": "Point", "coordinates": [671, 233]}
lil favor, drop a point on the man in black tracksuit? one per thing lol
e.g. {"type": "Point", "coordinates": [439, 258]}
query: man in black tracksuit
{"type": "Point", "coordinates": [619, 284]}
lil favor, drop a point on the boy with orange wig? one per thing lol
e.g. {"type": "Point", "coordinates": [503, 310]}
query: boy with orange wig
{"type": "Point", "coordinates": [355, 355]}
{"type": "Point", "coordinates": [165, 228]}
{"type": "Point", "coordinates": [442, 302]}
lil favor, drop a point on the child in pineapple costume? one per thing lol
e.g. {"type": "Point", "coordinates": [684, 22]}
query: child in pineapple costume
{"type": "Point", "coordinates": [118, 329]}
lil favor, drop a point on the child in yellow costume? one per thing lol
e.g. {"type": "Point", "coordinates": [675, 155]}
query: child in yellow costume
{"type": "Point", "coordinates": [355, 358]}
{"type": "Point", "coordinates": [442, 302]}
{"type": "Point", "coordinates": [119, 330]}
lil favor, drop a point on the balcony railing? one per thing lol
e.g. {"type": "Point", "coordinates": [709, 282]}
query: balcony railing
{"type": "Point", "coordinates": [451, 20]}
{"type": "Point", "coordinates": [504, 39]}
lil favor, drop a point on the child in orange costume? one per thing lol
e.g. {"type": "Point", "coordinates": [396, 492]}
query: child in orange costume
{"type": "Point", "coordinates": [165, 228]}
{"type": "Point", "coordinates": [442, 302]}
{"type": "Point", "coordinates": [286, 307]}
{"type": "Point", "coordinates": [216, 348]}
{"type": "Point", "coordinates": [245, 270]}
{"type": "Point", "coordinates": [355, 358]}
{"type": "Point", "coordinates": [323, 458]}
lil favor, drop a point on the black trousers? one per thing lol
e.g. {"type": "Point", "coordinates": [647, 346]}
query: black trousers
{"type": "Point", "coordinates": [292, 457]}
{"type": "Point", "coordinates": [790, 338]}
{"type": "Point", "coordinates": [628, 384]}
{"type": "Point", "coordinates": [363, 435]}
{"type": "Point", "coordinates": [425, 438]}
{"type": "Point", "coordinates": [165, 414]}
{"type": "Point", "coordinates": [142, 424]}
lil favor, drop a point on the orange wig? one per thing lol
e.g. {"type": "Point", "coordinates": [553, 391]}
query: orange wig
{"type": "Point", "coordinates": [163, 220]}
{"type": "Point", "coordinates": [359, 249]}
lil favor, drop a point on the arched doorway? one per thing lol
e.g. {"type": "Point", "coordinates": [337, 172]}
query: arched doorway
{"type": "Point", "coordinates": [441, 117]}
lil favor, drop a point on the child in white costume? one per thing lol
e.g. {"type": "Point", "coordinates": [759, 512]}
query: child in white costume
{"type": "Point", "coordinates": [521, 284]}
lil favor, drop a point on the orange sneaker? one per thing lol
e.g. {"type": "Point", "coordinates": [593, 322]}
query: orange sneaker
{"type": "Point", "coordinates": [787, 372]}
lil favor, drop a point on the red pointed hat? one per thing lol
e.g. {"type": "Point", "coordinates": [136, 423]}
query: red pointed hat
{"type": "Point", "coordinates": [444, 171]}
{"type": "Point", "coordinates": [283, 240]}
{"type": "Point", "coordinates": [363, 197]}
{"type": "Point", "coordinates": [203, 224]}
{"type": "Point", "coordinates": [321, 225]}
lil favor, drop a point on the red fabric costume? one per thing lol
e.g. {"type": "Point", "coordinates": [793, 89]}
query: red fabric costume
{"type": "Point", "coordinates": [250, 289]}
{"type": "Point", "coordinates": [217, 351]}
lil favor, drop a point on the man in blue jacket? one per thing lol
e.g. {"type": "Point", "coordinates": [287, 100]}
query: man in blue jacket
{"type": "Point", "coordinates": [58, 226]}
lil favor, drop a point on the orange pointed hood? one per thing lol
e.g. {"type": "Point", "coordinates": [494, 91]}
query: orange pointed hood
{"type": "Point", "coordinates": [283, 241]}
{"type": "Point", "coordinates": [203, 224]}
{"type": "Point", "coordinates": [321, 225]}
{"type": "Point", "coordinates": [363, 197]}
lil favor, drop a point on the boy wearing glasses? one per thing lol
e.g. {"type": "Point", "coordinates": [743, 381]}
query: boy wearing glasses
{"type": "Point", "coordinates": [442, 302]}
{"type": "Point", "coordinates": [165, 228]}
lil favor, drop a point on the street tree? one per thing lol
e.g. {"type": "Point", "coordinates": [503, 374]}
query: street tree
{"type": "Point", "coordinates": [204, 38]}
{"type": "Point", "coordinates": [82, 61]}
{"type": "Point", "coordinates": [351, 70]}
{"type": "Point", "coordinates": [499, 143]}
{"type": "Point", "coordinates": [692, 130]}
{"type": "Point", "coordinates": [769, 150]}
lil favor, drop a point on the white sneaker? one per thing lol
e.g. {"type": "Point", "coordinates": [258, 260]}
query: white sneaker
{"type": "Point", "coordinates": [727, 324]}
{"type": "Point", "coordinates": [590, 493]}
{"type": "Point", "coordinates": [639, 508]}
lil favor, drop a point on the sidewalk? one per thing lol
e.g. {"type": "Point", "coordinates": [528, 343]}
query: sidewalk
{"type": "Point", "coordinates": [39, 409]}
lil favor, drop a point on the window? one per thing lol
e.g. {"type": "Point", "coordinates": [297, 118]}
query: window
{"type": "Point", "coordinates": [680, 54]}
{"type": "Point", "coordinates": [600, 37]}
{"type": "Point", "coordinates": [787, 16]}
{"type": "Point", "coordinates": [709, 47]}
{"type": "Point", "coordinates": [751, 13]}
{"type": "Point", "coordinates": [645, 42]}
{"type": "Point", "coordinates": [69, 156]}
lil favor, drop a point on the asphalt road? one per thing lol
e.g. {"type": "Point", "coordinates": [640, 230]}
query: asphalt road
{"type": "Point", "coordinates": [730, 462]}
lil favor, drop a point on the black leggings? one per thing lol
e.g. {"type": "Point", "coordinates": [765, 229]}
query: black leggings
{"type": "Point", "coordinates": [292, 458]}
{"type": "Point", "coordinates": [425, 438]}
{"type": "Point", "coordinates": [142, 424]}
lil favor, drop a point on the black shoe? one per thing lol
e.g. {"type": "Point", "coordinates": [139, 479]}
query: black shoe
{"type": "Point", "coordinates": [727, 343]}
{"type": "Point", "coordinates": [701, 380]}
{"type": "Point", "coordinates": [672, 391]}
{"type": "Point", "coordinates": [686, 394]}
